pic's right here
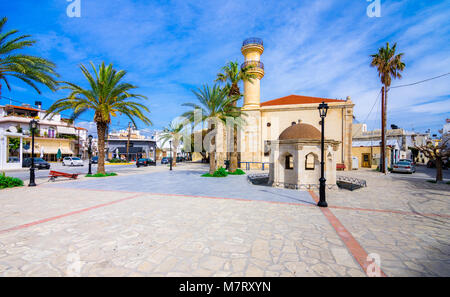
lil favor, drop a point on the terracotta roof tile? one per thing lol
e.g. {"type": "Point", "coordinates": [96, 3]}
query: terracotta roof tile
{"type": "Point", "coordinates": [297, 99]}
{"type": "Point", "coordinates": [21, 107]}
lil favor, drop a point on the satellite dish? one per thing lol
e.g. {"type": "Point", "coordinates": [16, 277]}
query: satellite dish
{"type": "Point", "coordinates": [12, 129]}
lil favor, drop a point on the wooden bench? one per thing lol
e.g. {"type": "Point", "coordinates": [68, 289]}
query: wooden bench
{"type": "Point", "coordinates": [340, 166]}
{"type": "Point", "coordinates": [55, 174]}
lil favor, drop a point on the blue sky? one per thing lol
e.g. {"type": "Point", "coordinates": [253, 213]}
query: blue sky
{"type": "Point", "coordinates": [314, 48]}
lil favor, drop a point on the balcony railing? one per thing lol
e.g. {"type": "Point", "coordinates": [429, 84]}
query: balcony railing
{"type": "Point", "coordinates": [252, 64]}
{"type": "Point", "coordinates": [248, 41]}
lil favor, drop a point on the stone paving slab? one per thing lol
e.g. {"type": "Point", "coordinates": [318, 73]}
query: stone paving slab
{"type": "Point", "coordinates": [160, 236]}
{"type": "Point", "coordinates": [190, 182]}
{"type": "Point", "coordinates": [408, 245]}
{"type": "Point", "coordinates": [26, 204]}
{"type": "Point", "coordinates": [393, 192]}
{"type": "Point", "coordinates": [120, 226]}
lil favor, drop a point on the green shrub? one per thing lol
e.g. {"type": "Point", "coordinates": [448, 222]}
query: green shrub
{"type": "Point", "coordinates": [221, 172]}
{"type": "Point", "coordinates": [115, 160]}
{"type": "Point", "coordinates": [9, 182]}
{"type": "Point", "coordinates": [237, 172]}
{"type": "Point", "coordinates": [101, 174]}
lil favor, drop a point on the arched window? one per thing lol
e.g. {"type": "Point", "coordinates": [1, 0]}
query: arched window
{"type": "Point", "coordinates": [289, 162]}
{"type": "Point", "coordinates": [310, 162]}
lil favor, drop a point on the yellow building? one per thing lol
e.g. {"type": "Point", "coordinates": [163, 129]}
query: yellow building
{"type": "Point", "coordinates": [266, 120]}
{"type": "Point", "coordinates": [368, 155]}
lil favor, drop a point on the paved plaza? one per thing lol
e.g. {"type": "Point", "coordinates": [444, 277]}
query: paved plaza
{"type": "Point", "coordinates": [153, 222]}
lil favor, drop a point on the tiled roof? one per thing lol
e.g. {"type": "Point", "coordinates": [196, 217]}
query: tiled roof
{"type": "Point", "coordinates": [297, 99]}
{"type": "Point", "coordinates": [21, 107]}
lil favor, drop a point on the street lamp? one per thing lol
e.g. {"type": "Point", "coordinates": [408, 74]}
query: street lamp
{"type": "Point", "coordinates": [90, 153]}
{"type": "Point", "coordinates": [323, 109]}
{"type": "Point", "coordinates": [170, 160]}
{"type": "Point", "coordinates": [33, 128]}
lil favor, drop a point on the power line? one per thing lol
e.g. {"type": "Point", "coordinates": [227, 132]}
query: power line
{"type": "Point", "coordinates": [370, 112]}
{"type": "Point", "coordinates": [419, 82]}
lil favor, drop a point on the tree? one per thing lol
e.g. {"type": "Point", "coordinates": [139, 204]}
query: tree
{"type": "Point", "coordinates": [172, 133]}
{"type": "Point", "coordinates": [438, 152]}
{"type": "Point", "coordinates": [215, 106]}
{"type": "Point", "coordinates": [232, 75]}
{"type": "Point", "coordinates": [107, 96]}
{"type": "Point", "coordinates": [201, 134]}
{"type": "Point", "coordinates": [29, 69]}
{"type": "Point", "coordinates": [389, 66]}
{"type": "Point", "coordinates": [14, 144]}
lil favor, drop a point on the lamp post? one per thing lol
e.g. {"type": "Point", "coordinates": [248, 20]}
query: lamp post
{"type": "Point", "coordinates": [170, 159]}
{"type": "Point", "coordinates": [323, 109]}
{"type": "Point", "coordinates": [90, 154]}
{"type": "Point", "coordinates": [33, 128]}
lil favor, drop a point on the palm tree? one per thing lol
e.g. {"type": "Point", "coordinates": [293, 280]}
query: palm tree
{"type": "Point", "coordinates": [233, 74]}
{"type": "Point", "coordinates": [29, 69]}
{"type": "Point", "coordinates": [389, 66]}
{"type": "Point", "coordinates": [172, 133]}
{"type": "Point", "coordinates": [215, 105]}
{"type": "Point", "coordinates": [107, 96]}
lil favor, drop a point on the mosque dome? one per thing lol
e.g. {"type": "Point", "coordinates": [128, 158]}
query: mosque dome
{"type": "Point", "coordinates": [300, 131]}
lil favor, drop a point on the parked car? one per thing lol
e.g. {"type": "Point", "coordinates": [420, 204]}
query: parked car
{"type": "Point", "coordinates": [142, 162]}
{"type": "Point", "coordinates": [94, 160]}
{"type": "Point", "coordinates": [181, 159]}
{"type": "Point", "coordinates": [432, 164]}
{"type": "Point", "coordinates": [165, 160]}
{"type": "Point", "coordinates": [39, 163]}
{"type": "Point", "coordinates": [407, 160]}
{"type": "Point", "coordinates": [404, 167]}
{"type": "Point", "coordinates": [72, 161]}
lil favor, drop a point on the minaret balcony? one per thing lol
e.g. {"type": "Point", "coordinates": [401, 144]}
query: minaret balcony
{"type": "Point", "coordinates": [252, 44]}
{"type": "Point", "coordinates": [255, 41]}
{"type": "Point", "coordinates": [256, 67]}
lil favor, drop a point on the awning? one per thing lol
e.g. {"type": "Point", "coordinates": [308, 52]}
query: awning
{"type": "Point", "coordinates": [51, 150]}
{"type": "Point", "coordinates": [66, 130]}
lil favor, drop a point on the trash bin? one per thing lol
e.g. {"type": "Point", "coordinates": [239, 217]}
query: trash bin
{"type": "Point", "coordinates": [355, 163]}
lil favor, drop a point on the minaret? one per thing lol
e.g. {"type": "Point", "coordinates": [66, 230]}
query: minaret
{"type": "Point", "coordinates": [252, 49]}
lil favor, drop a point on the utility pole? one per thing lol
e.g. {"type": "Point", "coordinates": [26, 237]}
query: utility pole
{"type": "Point", "coordinates": [78, 145]}
{"type": "Point", "coordinates": [128, 142]}
{"type": "Point", "coordinates": [383, 132]}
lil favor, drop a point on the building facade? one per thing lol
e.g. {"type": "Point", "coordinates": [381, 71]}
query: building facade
{"type": "Point", "coordinates": [55, 135]}
{"type": "Point", "coordinates": [266, 120]}
{"type": "Point", "coordinates": [400, 144]}
{"type": "Point", "coordinates": [139, 146]}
